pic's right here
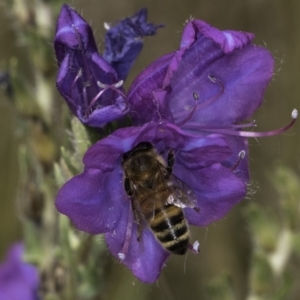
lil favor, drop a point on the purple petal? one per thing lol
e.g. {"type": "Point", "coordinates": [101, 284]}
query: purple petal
{"type": "Point", "coordinates": [72, 33]}
{"type": "Point", "coordinates": [81, 69]}
{"type": "Point", "coordinates": [108, 113]}
{"type": "Point", "coordinates": [169, 136]}
{"type": "Point", "coordinates": [204, 152]}
{"type": "Point", "coordinates": [145, 258]}
{"type": "Point", "coordinates": [225, 71]}
{"type": "Point", "coordinates": [106, 153]}
{"type": "Point", "coordinates": [147, 95]}
{"type": "Point", "coordinates": [228, 40]}
{"type": "Point", "coordinates": [92, 200]}
{"type": "Point", "coordinates": [96, 200]}
{"type": "Point", "coordinates": [197, 29]}
{"type": "Point", "coordinates": [18, 280]}
{"type": "Point", "coordinates": [217, 188]}
{"type": "Point", "coordinates": [194, 151]}
{"type": "Point", "coordinates": [123, 42]}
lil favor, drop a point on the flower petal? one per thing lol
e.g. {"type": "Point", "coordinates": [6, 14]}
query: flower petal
{"type": "Point", "coordinates": [147, 95]}
{"type": "Point", "coordinates": [204, 152]}
{"type": "Point", "coordinates": [194, 151]}
{"type": "Point", "coordinates": [72, 33]}
{"type": "Point", "coordinates": [18, 280]}
{"type": "Point", "coordinates": [106, 153]}
{"type": "Point", "coordinates": [145, 258]}
{"type": "Point", "coordinates": [225, 71]}
{"type": "Point", "coordinates": [196, 30]}
{"type": "Point", "coordinates": [92, 200]}
{"type": "Point", "coordinates": [217, 188]}
{"type": "Point", "coordinates": [82, 69]}
{"type": "Point", "coordinates": [123, 42]}
{"type": "Point", "coordinates": [108, 113]}
{"type": "Point", "coordinates": [228, 40]}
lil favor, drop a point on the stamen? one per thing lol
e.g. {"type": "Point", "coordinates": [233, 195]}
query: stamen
{"type": "Point", "coordinates": [105, 87]}
{"type": "Point", "coordinates": [128, 234]}
{"type": "Point", "coordinates": [241, 156]}
{"type": "Point", "coordinates": [231, 131]}
{"type": "Point", "coordinates": [194, 125]}
{"type": "Point", "coordinates": [189, 116]}
{"type": "Point", "coordinates": [251, 124]}
{"type": "Point", "coordinates": [213, 99]}
{"type": "Point", "coordinates": [195, 96]}
{"type": "Point", "coordinates": [203, 104]}
{"type": "Point", "coordinates": [212, 78]}
{"type": "Point", "coordinates": [121, 256]}
{"type": "Point", "coordinates": [93, 102]}
{"type": "Point", "coordinates": [195, 248]}
{"type": "Point", "coordinates": [85, 96]}
{"type": "Point", "coordinates": [116, 85]}
{"type": "Point", "coordinates": [79, 74]}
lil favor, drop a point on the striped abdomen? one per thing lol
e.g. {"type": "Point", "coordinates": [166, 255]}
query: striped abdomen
{"type": "Point", "coordinates": [169, 226]}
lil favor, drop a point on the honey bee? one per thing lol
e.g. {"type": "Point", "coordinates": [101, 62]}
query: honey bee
{"type": "Point", "coordinates": [157, 196]}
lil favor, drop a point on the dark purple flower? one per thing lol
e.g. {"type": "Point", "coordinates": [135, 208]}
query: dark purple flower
{"type": "Point", "coordinates": [85, 79]}
{"type": "Point", "coordinates": [212, 83]}
{"type": "Point", "coordinates": [18, 280]}
{"type": "Point", "coordinates": [96, 200]}
{"type": "Point", "coordinates": [90, 83]}
{"type": "Point", "coordinates": [123, 41]}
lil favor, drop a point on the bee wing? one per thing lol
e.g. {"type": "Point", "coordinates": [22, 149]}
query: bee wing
{"type": "Point", "coordinates": [181, 196]}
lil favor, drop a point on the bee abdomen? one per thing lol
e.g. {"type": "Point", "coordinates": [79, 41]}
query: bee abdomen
{"type": "Point", "coordinates": [170, 228]}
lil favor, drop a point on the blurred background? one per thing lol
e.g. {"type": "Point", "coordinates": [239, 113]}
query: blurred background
{"type": "Point", "coordinates": [225, 245]}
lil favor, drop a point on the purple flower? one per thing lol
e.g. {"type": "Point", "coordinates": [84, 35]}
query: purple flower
{"type": "Point", "coordinates": [18, 280]}
{"type": "Point", "coordinates": [123, 42]}
{"type": "Point", "coordinates": [85, 79]}
{"type": "Point", "coordinates": [90, 83]}
{"type": "Point", "coordinates": [212, 83]}
{"type": "Point", "coordinates": [190, 102]}
{"type": "Point", "coordinates": [96, 200]}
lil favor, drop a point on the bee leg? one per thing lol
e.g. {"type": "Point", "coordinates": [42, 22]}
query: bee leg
{"type": "Point", "coordinates": [241, 156]}
{"type": "Point", "coordinates": [171, 159]}
{"type": "Point", "coordinates": [196, 209]}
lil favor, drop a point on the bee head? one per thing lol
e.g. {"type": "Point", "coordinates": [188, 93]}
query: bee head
{"type": "Point", "coordinates": [140, 162]}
